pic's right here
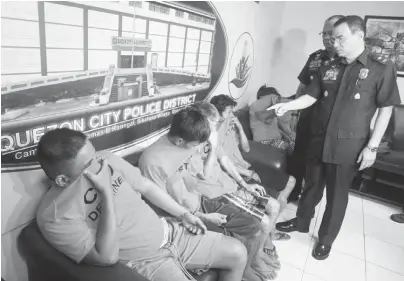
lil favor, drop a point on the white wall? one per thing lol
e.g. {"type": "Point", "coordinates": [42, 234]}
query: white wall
{"type": "Point", "coordinates": [299, 27]}
{"type": "Point", "coordinates": [262, 21]}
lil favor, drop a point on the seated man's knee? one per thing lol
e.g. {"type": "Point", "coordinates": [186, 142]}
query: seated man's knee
{"type": "Point", "coordinates": [273, 207]}
{"type": "Point", "coordinates": [291, 181]}
{"type": "Point", "coordinates": [290, 185]}
{"type": "Point", "coordinates": [266, 224]}
{"type": "Point", "coordinates": [238, 253]}
{"type": "Point", "coordinates": [230, 254]}
{"type": "Point", "coordinates": [256, 227]}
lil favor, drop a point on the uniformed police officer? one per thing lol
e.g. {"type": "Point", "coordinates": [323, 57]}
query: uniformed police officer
{"type": "Point", "coordinates": [346, 93]}
{"type": "Point", "coordinates": [316, 59]}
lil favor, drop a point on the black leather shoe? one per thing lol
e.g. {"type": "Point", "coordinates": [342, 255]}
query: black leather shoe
{"type": "Point", "coordinates": [321, 251]}
{"type": "Point", "coordinates": [290, 226]}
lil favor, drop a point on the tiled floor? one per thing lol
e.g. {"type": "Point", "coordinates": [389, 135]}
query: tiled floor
{"type": "Point", "coordinates": [369, 247]}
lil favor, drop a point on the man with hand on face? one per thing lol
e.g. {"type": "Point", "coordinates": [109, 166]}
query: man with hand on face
{"type": "Point", "coordinates": [345, 93]}
{"type": "Point", "coordinates": [231, 135]}
{"type": "Point", "coordinates": [316, 59]}
{"type": "Point", "coordinates": [94, 214]}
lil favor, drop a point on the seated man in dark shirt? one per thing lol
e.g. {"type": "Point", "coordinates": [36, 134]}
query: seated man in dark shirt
{"type": "Point", "coordinates": [268, 128]}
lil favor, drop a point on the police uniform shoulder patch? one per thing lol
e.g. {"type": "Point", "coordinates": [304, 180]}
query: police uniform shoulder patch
{"type": "Point", "coordinates": [315, 60]}
{"type": "Point", "coordinates": [316, 53]}
{"type": "Point", "coordinates": [380, 58]}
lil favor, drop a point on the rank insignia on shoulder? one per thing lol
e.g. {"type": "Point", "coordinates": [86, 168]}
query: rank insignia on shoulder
{"type": "Point", "coordinates": [316, 54]}
{"type": "Point", "coordinates": [319, 51]}
{"type": "Point", "coordinates": [316, 63]}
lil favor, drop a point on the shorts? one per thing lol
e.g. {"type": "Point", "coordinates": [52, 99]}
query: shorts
{"type": "Point", "coordinates": [184, 251]}
{"type": "Point", "coordinates": [288, 146]}
{"type": "Point", "coordinates": [243, 219]}
{"type": "Point", "coordinates": [243, 223]}
{"type": "Point", "coordinates": [259, 202]}
{"type": "Point", "coordinates": [274, 181]}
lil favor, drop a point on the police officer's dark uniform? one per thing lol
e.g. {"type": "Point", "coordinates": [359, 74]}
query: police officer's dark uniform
{"type": "Point", "coordinates": [347, 99]}
{"type": "Point", "coordinates": [298, 163]}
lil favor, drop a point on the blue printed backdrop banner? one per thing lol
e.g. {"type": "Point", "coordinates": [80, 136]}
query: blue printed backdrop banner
{"type": "Point", "coordinates": [118, 106]}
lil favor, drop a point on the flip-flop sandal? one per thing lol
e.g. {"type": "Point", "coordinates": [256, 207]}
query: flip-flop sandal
{"type": "Point", "coordinates": [272, 275]}
{"type": "Point", "coordinates": [271, 258]}
{"type": "Point", "coordinates": [272, 265]}
{"type": "Point", "coordinates": [280, 236]}
{"type": "Point", "coordinates": [399, 218]}
{"type": "Point", "coordinates": [271, 252]}
{"type": "Point", "coordinates": [267, 275]}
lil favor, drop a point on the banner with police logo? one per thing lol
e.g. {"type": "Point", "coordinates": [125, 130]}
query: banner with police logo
{"type": "Point", "coordinates": [120, 105]}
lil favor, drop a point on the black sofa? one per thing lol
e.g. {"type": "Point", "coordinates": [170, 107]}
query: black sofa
{"type": "Point", "coordinates": [261, 154]}
{"type": "Point", "coordinates": [392, 160]}
{"type": "Point", "coordinates": [388, 169]}
{"type": "Point", "coordinates": [47, 264]}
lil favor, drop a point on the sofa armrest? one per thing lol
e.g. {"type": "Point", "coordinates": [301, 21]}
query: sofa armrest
{"type": "Point", "coordinates": [397, 128]}
{"type": "Point", "coordinates": [266, 156]}
{"type": "Point", "coordinates": [47, 264]}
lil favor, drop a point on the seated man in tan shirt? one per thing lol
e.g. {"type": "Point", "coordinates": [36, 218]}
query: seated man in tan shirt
{"type": "Point", "coordinates": [175, 164]}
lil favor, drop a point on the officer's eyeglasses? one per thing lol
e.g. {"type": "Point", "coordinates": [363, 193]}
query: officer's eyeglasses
{"type": "Point", "coordinates": [325, 33]}
{"type": "Point", "coordinates": [339, 39]}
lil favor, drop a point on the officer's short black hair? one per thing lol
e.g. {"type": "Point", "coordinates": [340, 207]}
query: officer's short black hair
{"type": "Point", "coordinates": [334, 18]}
{"type": "Point", "coordinates": [57, 146]}
{"type": "Point", "coordinates": [221, 102]}
{"type": "Point", "coordinates": [190, 125]}
{"type": "Point", "coordinates": [355, 23]}
{"type": "Point", "coordinates": [265, 91]}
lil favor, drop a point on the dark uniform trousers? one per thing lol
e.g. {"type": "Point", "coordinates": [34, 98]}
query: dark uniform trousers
{"type": "Point", "coordinates": [297, 166]}
{"type": "Point", "coordinates": [337, 179]}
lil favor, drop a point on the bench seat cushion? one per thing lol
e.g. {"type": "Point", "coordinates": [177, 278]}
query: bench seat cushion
{"type": "Point", "coordinates": [266, 155]}
{"type": "Point", "coordinates": [47, 264]}
{"type": "Point", "coordinates": [392, 161]}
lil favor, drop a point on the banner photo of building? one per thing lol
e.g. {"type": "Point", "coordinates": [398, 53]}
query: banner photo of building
{"type": "Point", "coordinates": [116, 71]}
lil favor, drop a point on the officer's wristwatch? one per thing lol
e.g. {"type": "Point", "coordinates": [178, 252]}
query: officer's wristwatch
{"type": "Point", "coordinates": [372, 148]}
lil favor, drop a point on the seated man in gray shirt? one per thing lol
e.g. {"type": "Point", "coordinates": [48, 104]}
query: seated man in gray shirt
{"type": "Point", "coordinates": [94, 214]}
